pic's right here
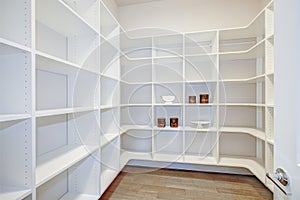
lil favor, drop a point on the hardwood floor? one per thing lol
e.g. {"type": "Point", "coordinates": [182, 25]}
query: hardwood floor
{"type": "Point", "coordinates": [148, 183]}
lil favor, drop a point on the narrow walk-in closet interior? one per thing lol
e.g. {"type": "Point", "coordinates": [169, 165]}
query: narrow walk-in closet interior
{"type": "Point", "coordinates": [81, 98]}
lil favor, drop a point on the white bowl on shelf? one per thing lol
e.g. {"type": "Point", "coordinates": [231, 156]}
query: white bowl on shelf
{"type": "Point", "coordinates": [200, 124]}
{"type": "Point", "coordinates": [168, 99]}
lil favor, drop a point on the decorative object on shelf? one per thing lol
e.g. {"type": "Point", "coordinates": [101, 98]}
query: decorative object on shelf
{"type": "Point", "coordinates": [168, 99]}
{"type": "Point", "coordinates": [201, 124]}
{"type": "Point", "coordinates": [161, 122]}
{"type": "Point", "coordinates": [192, 99]}
{"type": "Point", "coordinates": [174, 122]}
{"type": "Point", "coordinates": [204, 98]}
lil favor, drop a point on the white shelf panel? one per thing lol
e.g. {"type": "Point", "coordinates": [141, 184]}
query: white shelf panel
{"type": "Point", "coordinates": [168, 157]}
{"type": "Point", "coordinates": [203, 160]}
{"type": "Point", "coordinates": [201, 55]}
{"type": "Point", "coordinates": [243, 104]}
{"type": "Point", "coordinates": [13, 193]}
{"type": "Point", "coordinates": [108, 138]}
{"type": "Point", "coordinates": [201, 104]}
{"type": "Point", "coordinates": [212, 129]}
{"type": "Point", "coordinates": [64, 20]}
{"type": "Point", "coordinates": [257, 51]}
{"type": "Point", "coordinates": [53, 63]}
{"type": "Point", "coordinates": [45, 113]}
{"type": "Point", "coordinates": [55, 162]}
{"type": "Point", "coordinates": [167, 57]}
{"type": "Point", "coordinates": [251, 131]}
{"type": "Point", "coordinates": [201, 81]}
{"type": "Point", "coordinates": [270, 141]}
{"type": "Point", "coordinates": [107, 177]}
{"type": "Point", "coordinates": [168, 104]}
{"type": "Point", "coordinates": [256, 79]}
{"type": "Point", "coordinates": [135, 83]}
{"type": "Point", "coordinates": [110, 77]}
{"type": "Point", "coordinates": [70, 196]}
{"type": "Point", "coordinates": [136, 105]}
{"type": "Point", "coordinates": [246, 162]}
{"type": "Point", "coordinates": [166, 82]}
{"type": "Point", "coordinates": [168, 128]}
{"type": "Point", "coordinates": [8, 47]}
{"type": "Point", "coordinates": [12, 117]}
{"type": "Point", "coordinates": [126, 128]}
{"type": "Point", "coordinates": [105, 107]}
{"type": "Point", "coordinates": [135, 59]}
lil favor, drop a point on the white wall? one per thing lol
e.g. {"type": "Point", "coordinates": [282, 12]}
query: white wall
{"type": "Point", "coordinates": [190, 15]}
{"type": "Point", "coordinates": [287, 90]}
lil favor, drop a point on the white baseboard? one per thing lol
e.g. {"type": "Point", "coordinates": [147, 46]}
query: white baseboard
{"type": "Point", "coordinates": [189, 167]}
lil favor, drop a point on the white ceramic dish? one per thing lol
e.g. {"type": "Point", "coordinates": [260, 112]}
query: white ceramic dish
{"type": "Point", "coordinates": [201, 124]}
{"type": "Point", "coordinates": [168, 99]}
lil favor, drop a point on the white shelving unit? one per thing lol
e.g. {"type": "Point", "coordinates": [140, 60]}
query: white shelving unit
{"type": "Point", "coordinates": [79, 100]}
{"type": "Point", "coordinates": [234, 66]}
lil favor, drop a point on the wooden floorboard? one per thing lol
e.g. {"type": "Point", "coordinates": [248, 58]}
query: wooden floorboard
{"type": "Point", "coordinates": [158, 184]}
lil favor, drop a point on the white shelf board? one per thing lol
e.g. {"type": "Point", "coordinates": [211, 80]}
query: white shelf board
{"type": "Point", "coordinates": [45, 113]}
{"type": "Point", "coordinates": [9, 47]}
{"type": "Point", "coordinates": [201, 81]}
{"type": "Point", "coordinates": [251, 131]}
{"type": "Point", "coordinates": [256, 51]}
{"type": "Point", "coordinates": [168, 128]}
{"type": "Point", "coordinates": [136, 83]}
{"type": "Point", "coordinates": [110, 77]}
{"type": "Point", "coordinates": [211, 129]}
{"type": "Point", "coordinates": [64, 20]}
{"type": "Point", "coordinates": [167, 82]}
{"type": "Point", "coordinates": [243, 104]}
{"type": "Point", "coordinates": [168, 104]}
{"type": "Point", "coordinates": [134, 59]}
{"type": "Point", "coordinates": [199, 159]}
{"type": "Point", "coordinates": [136, 105]}
{"type": "Point", "coordinates": [168, 157]}
{"type": "Point", "coordinates": [270, 141]}
{"type": "Point", "coordinates": [107, 177]}
{"type": "Point", "coordinates": [106, 107]}
{"type": "Point", "coordinates": [255, 79]}
{"type": "Point", "coordinates": [249, 163]}
{"type": "Point", "coordinates": [53, 163]}
{"type": "Point", "coordinates": [201, 104]}
{"type": "Point", "coordinates": [108, 138]}
{"type": "Point", "coordinates": [70, 196]}
{"type": "Point", "coordinates": [200, 55]}
{"type": "Point", "coordinates": [12, 117]}
{"type": "Point", "coordinates": [167, 57]}
{"type": "Point", "coordinates": [13, 193]}
{"type": "Point", "coordinates": [52, 63]}
{"type": "Point", "coordinates": [126, 128]}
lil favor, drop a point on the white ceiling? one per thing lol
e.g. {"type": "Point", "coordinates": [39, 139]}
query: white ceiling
{"type": "Point", "coordinates": [131, 2]}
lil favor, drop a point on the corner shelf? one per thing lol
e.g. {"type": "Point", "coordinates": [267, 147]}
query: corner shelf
{"type": "Point", "coordinates": [251, 131]}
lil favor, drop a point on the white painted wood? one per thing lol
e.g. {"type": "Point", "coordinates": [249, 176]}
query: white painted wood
{"type": "Point", "coordinates": [286, 111]}
{"type": "Point", "coordinates": [74, 111]}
